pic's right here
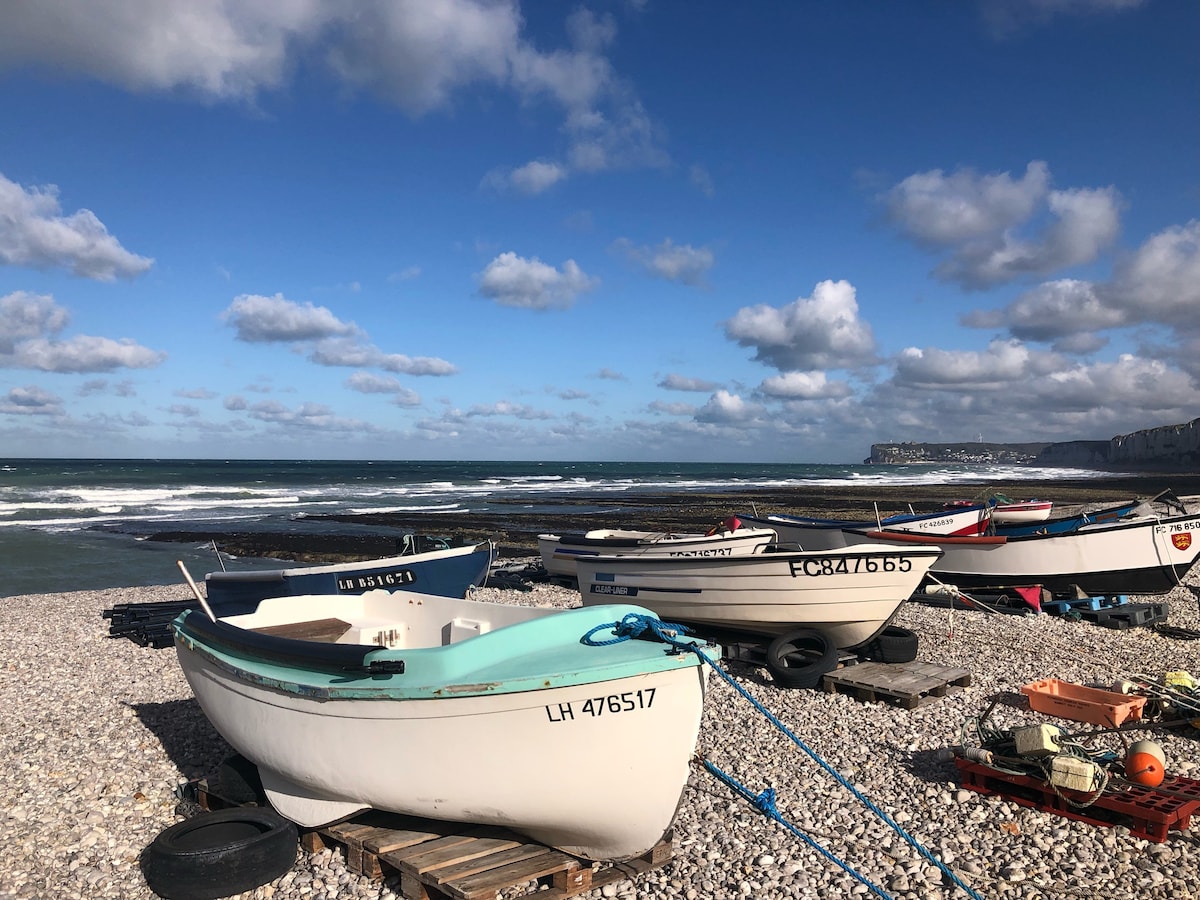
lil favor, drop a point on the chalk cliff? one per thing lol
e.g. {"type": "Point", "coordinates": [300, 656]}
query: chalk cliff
{"type": "Point", "coordinates": [1166, 448]}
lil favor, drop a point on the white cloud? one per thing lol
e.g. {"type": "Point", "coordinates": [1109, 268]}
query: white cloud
{"type": "Point", "coordinates": [505, 408]}
{"type": "Point", "coordinates": [821, 332]}
{"type": "Point", "coordinates": [514, 281]}
{"type": "Point", "coordinates": [343, 352]}
{"type": "Point", "coordinates": [673, 382]}
{"type": "Point", "coordinates": [974, 218]}
{"type": "Point", "coordinates": [31, 400]}
{"type": "Point", "coordinates": [416, 54]}
{"type": "Point", "coordinates": [24, 315]}
{"type": "Point", "coordinates": [672, 262]}
{"type": "Point", "coordinates": [533, 178]}
{"type": "Point", "coordinates": [701, 180]}
{"type": "Point", "coordinates": [369, 383]}
{"type": "Point", "coordinates": [34, 233]}
{"type": "Point", "coordinates": [195, 393]}
{"type": "Point", "coordinates": [724, 407]}
{"type": "Point", "coordinates": [804, 386]}
{"type": "Point", "coordinates": [999, 366]}
{"type": "Point", "coordinates": [83, 353]}
{"type": "Point", "coordinates": [1158, 283]}
{"type": "Point", "coordinates": [258, 319]}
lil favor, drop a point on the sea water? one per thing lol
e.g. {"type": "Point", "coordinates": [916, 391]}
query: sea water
{"type": "Point", "coordinates": [83, 524]}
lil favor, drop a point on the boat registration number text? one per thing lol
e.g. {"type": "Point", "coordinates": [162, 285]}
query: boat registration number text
{"type": "Point", "coordinates": [710, 551]}
{"type": "Point", "coordinates": [594, 707]}
{"type": "Point", "coordinates": [849, 565]}
{"type": "Point", "coordinates": [375, 580]}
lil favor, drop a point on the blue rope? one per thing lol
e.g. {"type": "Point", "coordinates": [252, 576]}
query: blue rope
{"type": "Point", "coordinates": [634, 625]}
{"type": "Point", "coordinates": [765, 803]}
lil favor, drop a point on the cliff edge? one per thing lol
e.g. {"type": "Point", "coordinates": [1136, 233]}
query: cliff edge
{"type": "Point", "coordinates": [1171, 448]}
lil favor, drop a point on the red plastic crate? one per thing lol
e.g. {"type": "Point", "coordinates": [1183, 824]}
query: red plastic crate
{"type": "Point", "coordinates": [1149, 813]}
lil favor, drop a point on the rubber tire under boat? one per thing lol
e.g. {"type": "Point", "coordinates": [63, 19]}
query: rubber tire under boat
{"type": "Point", "coordinates": [892, 645]}
{"type": "Point", "coordinates": [238, 782]}
{"type": "Point", "coordinates": [220, 854]}
{"type": "Point", "coordinates": [801, 658]}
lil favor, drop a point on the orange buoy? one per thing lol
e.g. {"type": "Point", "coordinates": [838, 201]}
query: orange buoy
{"type": "Point", "coordinates": [1145, 764]}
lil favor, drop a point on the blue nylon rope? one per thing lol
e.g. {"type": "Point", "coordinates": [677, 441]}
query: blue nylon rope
{"type": "Point", "coordinates": [634, 625]}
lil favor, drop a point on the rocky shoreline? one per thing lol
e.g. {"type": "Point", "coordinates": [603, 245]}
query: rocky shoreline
{"type": "Point", "coordinates": [515, 528]}
{"type": "Point", "coordinates": [98, 732]}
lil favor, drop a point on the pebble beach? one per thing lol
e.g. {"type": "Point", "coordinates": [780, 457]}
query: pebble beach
{"type": "Point", "coordinates": [98, 732]}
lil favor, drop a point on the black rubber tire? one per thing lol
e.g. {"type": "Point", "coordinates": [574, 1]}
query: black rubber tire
{"type": "Point", "coordinates": [892, 645]}
{"type": "Point", "coordinates": [238, 782]}
{"type": "Point", "coordinates": [801, 658]}
{"type": "Point", "coordinates": [220, 854]}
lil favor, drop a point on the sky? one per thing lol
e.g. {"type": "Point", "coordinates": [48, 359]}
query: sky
{"type": "Point", "coordinates": [628, 230]}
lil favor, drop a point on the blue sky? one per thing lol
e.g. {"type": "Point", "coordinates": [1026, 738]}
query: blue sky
{"type": "Point", "coordinates": [458, 229]}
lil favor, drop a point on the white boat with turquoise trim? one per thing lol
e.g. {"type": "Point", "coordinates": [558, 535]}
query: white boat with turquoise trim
{"type": "Point", "coordinates": [455, 709]}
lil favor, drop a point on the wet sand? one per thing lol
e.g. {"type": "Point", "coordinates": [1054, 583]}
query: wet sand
{"type": "Point", "coordinates": [515, 528]}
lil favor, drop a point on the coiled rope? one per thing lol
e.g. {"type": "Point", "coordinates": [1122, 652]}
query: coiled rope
{"type": "Point", "coordinates": [634, 625]}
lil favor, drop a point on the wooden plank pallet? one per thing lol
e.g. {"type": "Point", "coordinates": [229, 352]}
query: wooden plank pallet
{"type": "Point", "coordinates": [909, 684]}
{"type": "Point", "coordinates": [1147, 812]}
{"type": "Point", "coordinates": [442, 860]}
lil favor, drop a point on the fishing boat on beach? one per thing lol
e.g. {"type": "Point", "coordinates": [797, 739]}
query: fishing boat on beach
{"type": "Point", "coordinates": [560, 552]}
{"type": "Point", "coordinates": [457, 710]}
{"type": "Point", "coordinates": [849, 594]}
{"type": "Point", "coordinates": [808, 533]}
{"type": "Point", "coordinates": [447, 571]}
{"type": "Point", "coordinates": [1141, 554]}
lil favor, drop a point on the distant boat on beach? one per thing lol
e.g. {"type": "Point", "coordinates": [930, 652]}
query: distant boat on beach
{"type": "Point", "coordinates": [560, 552]}
{"type": "Point", "coordinates": [447, 572]}
{"type": "Point", "coordinates": [1139, 554]}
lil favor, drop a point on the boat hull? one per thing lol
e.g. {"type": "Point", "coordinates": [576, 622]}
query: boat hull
{"type": "Point", "coordinates": [594, 763]}
{"type": "Point", "coordinates": [829, 534]}
{"type": "Point", "coordinates": [560, 552]}
{"type": "Point", "coordinates": [1131, 556]}
{"type": "Point", "coordinates": [447, 573]}
{"type": "Point", "coordinates": [850, 594]}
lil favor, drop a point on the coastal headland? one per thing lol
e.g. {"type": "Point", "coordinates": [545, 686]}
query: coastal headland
{"type": "Point", "coordinates": [515, 527]}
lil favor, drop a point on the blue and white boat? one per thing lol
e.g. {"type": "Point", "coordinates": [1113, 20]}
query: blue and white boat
{"type": "Point", "coordinates": [532, 718]}
{"type": "Point", "coordinates": [448, 572]}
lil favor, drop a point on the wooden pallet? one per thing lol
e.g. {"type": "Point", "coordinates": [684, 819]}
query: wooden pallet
{"type": "Point", "coordinates": [1147, 812]}
{"type": "Point", "coordinates": [909, 684]}
{"type": "Point", "coordinates": [442, 860]}
{"type": "Point", "coordinates": [453, 861]}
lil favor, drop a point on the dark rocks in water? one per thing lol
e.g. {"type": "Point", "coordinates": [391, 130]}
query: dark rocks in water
{"type": "Point", "coordinates": [515, 529]}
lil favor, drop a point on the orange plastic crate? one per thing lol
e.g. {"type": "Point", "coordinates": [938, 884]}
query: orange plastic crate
{"type": "Point", "coordinates": [1083, 704]}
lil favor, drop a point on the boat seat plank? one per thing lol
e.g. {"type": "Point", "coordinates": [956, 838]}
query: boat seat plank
{"type": "Point", "coordinates": [326, 630]}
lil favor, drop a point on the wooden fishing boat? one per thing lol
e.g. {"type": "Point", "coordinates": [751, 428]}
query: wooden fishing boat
{"type": "Point", "coordinates": [808, 533]}
{"type": "Point", "coordinates": [1063, 524]}
{"type": "Point", "coordinates": [1135, 555]}
{"type": "Point", "coordinates": [449, 572]}
{"type": "Point", "coordinates": [560, 551]}
{"type": "Point", "coordinates": [847, 593]}
{"type": "Point", "coordinates": [454, 709]}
